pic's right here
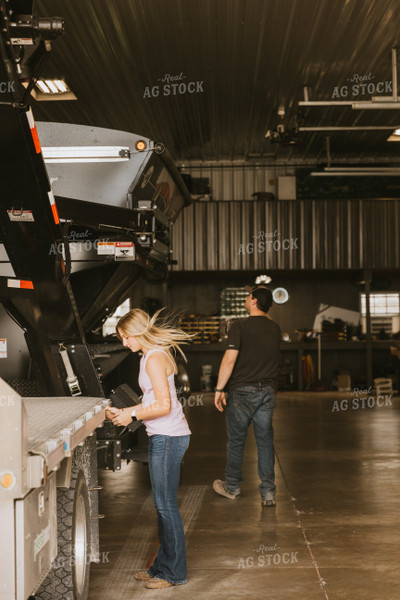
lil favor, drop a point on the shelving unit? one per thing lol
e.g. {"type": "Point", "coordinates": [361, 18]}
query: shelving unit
{"type": "Point", "coordinates": [337, 353]}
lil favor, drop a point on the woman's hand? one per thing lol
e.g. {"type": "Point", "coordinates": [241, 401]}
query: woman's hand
{"type": "Point", "coordinates": [120, 416]}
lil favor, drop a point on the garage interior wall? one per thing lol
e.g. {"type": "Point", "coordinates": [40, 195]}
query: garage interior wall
{"type": "Point", "coordinates": [237, 181]}
{"type": "Point", "coordinates": [199, 293]}
{"type": "Point", "coordinates": [297, 234]}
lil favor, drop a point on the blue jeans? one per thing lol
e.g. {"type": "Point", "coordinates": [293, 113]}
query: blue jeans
{"type": "Point", "coordinates": [245, 405]}
{"type": "Point", "coordinates": [165, 457]}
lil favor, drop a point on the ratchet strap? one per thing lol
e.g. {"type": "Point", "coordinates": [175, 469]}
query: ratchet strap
{"type": "Point", "coordinates": [72, 380]}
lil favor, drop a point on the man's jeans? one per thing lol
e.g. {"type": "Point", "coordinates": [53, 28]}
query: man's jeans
{"type": "Point", "coordinates": [165, 457]}
{"type": "Point", "coordinates": [245, 405]}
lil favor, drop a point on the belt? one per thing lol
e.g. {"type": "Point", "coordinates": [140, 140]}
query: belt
{"type": "Point", "coordinates": [259, 384]}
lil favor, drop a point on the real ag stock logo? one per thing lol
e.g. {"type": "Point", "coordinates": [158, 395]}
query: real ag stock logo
{"type": "Point", "coordinates": [173, 85]}
{"type": "Point", "coordinates": [268, 241]}
{"type": "Point", "coordinates": [6, 86]}
{"type": "Point", "coordinates": [362, 399]}
{"type": "Point", "coordinates": [268, 556]}
{"type": "Point", "coordinates": [362, 85]}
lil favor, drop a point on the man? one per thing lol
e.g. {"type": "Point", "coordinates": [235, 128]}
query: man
{"type": "Point", "coordinates": [249, 371]}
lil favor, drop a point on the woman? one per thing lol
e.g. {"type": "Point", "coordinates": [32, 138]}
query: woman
{"type": "Point", "coordinates": [169, 435]}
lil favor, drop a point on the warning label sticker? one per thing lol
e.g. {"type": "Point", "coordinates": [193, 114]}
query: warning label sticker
{"type": "Point", "coordinates": [3, 348]}
{"type": "Point", "coordinates": [105, 248]}
{"type": "Point", "coordinates": [124, 251]}
{"type": "Point", "coordinates": [20, 215]}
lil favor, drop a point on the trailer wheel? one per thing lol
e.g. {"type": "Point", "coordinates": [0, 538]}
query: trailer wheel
{"type": "Point", "coordinates": [69, 577]}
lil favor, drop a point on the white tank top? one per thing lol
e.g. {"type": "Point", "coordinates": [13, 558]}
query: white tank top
{"type": "Point", "coordinates": [174, 423]}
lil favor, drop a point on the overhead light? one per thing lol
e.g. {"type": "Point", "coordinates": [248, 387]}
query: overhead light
{"type": "Point", "coordinates": [347, 128]}
{"type": "Point", "coordinates": [43, 87]}
{"type": "Point", "coordinates": [52, 86]}
{"type": "Point", "coordinates": [334, 170]}
{"type": "Point", "coordinates": [263, 279]}
{"type": "Point", "coordinates": [382, 173]}
{"type": "Point", "coordinates": [280, 295]}
{"type": "Point", "coordinates": [366, 104]}
{"type": "Point", "coordinates": [395, 136]}
{"type": "Point", "coordinates": [61, 86]}
{"type": "Point", "coordinates": [51, 89]}
{"type": "Point", "coordinates": [75, 154]}
{"type": "Point", "coordinates": [357, 172]}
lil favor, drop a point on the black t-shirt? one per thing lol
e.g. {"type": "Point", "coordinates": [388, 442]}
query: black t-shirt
{"type": "Point", "coordinates": [258, 340]}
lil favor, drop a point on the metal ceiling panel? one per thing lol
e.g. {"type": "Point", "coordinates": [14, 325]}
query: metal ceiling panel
{"type": "Point", "coordinates": [206, 77]}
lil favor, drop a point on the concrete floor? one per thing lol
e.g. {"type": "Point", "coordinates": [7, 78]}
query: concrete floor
{"type": "Point", "coordinates": [334, 533]}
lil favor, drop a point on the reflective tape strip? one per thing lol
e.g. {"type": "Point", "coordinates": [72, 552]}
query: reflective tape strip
{"type": "Point", "coordinates": [20, 283]}
{"type": "Point", "coordinates": [53, 207]}
{"type": "Point", "coordinates": [34, 132]}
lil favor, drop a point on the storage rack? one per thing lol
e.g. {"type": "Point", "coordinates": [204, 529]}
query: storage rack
{"type": "Point", "coordinates": [205, 328]}
{"type": "Point", "coordinates": [232, 302]}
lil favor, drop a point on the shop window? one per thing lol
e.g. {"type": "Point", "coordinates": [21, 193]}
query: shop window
{"type": "Point", "coordinates": [384, 310]}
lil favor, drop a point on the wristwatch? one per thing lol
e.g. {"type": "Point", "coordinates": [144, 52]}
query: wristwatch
{"type": "Point", "coordinates": [219, 390]}
{"type": "Point", "coordinates": [133, 415]}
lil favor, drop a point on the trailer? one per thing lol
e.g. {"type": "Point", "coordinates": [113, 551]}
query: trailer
{"type": "Point", "coordinates": [85, 218]}
{"type": "Point", "coordinates": [48, 481]}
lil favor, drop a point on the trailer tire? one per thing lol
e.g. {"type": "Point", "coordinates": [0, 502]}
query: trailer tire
{"type": "Point", "coordinates": [69, 577]}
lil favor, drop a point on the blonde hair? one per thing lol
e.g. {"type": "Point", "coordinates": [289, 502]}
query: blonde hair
{"type": "Point", "coordinates": [163, 335]}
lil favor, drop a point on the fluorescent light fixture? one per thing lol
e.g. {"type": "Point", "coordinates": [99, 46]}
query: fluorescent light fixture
{"type": "Point", "coordinates": [42, 86]}
{"type": "Point", "coordinates": [366, 104]}
{"type": "Point", "coordinates": [395, 136]}
{"type": "Point", "coordinates": [51, 89]}
{"type": "Point", "coordinates": [333, 170]}
{"type": "Point", "coordinates": [348, 128]}
{"type": "Point", "coordinates": [358, 172]}
{"type": "Point", "coordinates": [61, 86]}
{"type": "Point", "coordinates": [52, 86]}
{"type": "Point", "coordinates": [78, 154]}
{"type": "Point", "coordinates": [372, 173]}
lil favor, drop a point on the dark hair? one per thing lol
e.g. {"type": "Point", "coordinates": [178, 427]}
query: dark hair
{"type": "Point", "coordinates": [263, 296]}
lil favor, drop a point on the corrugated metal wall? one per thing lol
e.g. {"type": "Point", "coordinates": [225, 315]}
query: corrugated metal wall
{"type": "Point", "coordinates": [230, 181]}
{"type": "Point", "coordinates": [307, 234]}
